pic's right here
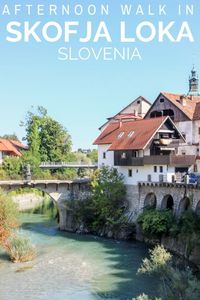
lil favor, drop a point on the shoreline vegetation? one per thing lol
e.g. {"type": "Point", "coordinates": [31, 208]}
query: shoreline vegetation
{"type": "Point", "coordinates": [19, 248]}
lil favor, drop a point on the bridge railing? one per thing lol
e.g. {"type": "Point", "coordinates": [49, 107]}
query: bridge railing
{"type": "Point", "coordinates": [63, 163]}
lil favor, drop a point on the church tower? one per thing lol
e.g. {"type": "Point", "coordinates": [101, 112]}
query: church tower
{"type": "Point", "coordinates": [193, 83]}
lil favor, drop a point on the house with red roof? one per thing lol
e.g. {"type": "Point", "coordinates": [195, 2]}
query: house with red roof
{"type": "Point", "coordinates": [157, 142]}
{"type": "Point", "coordinates": [11, 148]}
{"type": "Point", "coordinates": [142, 150]}
{"type": "Point", "coordinates": [184, 110]}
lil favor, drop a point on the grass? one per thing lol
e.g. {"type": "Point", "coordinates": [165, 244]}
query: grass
{"type": "Point", "coordinates": [20, 249]}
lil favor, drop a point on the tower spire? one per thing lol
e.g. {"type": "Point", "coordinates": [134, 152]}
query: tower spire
{"type": "Point", "coordinates": [193, 83]}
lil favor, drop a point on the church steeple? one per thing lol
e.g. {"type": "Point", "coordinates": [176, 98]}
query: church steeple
{"type": "Point", "coordinates": [193, 83]}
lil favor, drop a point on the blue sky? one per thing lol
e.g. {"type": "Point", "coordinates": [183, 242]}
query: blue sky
{"type": "Point", "coordinates": [81, 95]}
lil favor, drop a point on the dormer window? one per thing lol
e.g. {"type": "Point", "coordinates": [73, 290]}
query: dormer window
{"type": "Point", "coordinates": [120, 135]}
{"type": "Point", "coordinates": [131, 133]}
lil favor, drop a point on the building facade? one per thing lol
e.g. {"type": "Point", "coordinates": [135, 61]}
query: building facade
{"type": "Point", "coordinates": [158, 142]}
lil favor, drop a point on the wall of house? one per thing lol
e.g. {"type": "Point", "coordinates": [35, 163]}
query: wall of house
{"type": "Point", "coordinates": [141, 173]}
{"type": "Point", "coordinates": [187, 129]}
{"type": "Point", "coordinates": [1, 157]}
{"type": "Point", "coordinates": [139, 106]}
{"type": "Point", "coordinates": [109, 160]}
{"type": "Point", "coordinates": [196, 128]}
{"type": "Point", "coordinates": [160, 106]}
{"type": "Point", "coordinates": [144, 107]}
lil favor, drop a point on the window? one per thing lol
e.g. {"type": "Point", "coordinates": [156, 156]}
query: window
{"type": "Point", "coordinates": [120, 135]}
{"type": "Point", "coordinates": [162, 100]}
{"type": "Point", "coordinates": [161, 169]}
{"type": "Point", "coordinates": [131, 133]}
{"type": "Point", "coordinates": [123, 156]}
{"type": "Point", "coordinates": [104, 155]}
{"type": "Point", "coordinates": [138, 102]}
{"type": "Point", "coordinates": [130, 173]}
{"type": "Point", "coordinates": [149, 178]}
{"type": "Point", "coordinates": [183, 153]}
{"type": "Point", "coordinates": [155, 169]}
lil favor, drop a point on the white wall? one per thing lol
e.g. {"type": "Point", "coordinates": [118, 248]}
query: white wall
{"type": "Point", "coordinates": [196, 131]}
{"type": "Point", "coordinates": [1, 157]}
{"type": "Point", "coordinates": [141, 173]}
{"type": "Point", "coordinates": [109, 160]}
{"type": "Point", "coordinates": [187, 128]}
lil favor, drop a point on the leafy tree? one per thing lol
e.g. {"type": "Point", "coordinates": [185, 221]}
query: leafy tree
{"type": "Point", "coordinates": [175, 283]}
{"type": "Point", "coordinates": [47, 139]}
{"type": "Point", "coordinates": [10, 137]}
{"type": "Point", "coordinates": [107, 201]}
{"type": "Point", "coordinates": [93, 156]}
{"type": "Point", "coordinates": [55, 140]}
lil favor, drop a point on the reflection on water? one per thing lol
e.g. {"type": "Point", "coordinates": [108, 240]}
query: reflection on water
{"type": "Point", "coordinates": [70, 266]}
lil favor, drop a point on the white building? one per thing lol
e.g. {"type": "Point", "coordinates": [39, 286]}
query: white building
{"type": "Point", "coordinates": [142, 150]}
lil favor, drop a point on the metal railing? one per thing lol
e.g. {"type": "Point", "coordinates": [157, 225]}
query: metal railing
{"type": "Point", "coordinates": [62, 164]}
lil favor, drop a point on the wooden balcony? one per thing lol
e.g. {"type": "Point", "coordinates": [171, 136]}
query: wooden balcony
{"type": "Point", "coordinates": [121, 159]}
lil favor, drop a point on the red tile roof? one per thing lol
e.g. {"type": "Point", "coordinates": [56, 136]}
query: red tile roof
{"type": "Point", "coordinates": [190, 103]}
{"type": "Point", "coordinates": [19, 145]}
{"type": "Point", "coordinates": [11, 147]}
{"type": "Point", "coordinates": [143, 130]}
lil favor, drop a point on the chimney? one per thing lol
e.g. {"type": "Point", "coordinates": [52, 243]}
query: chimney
{"type": "Point", "coordinates": [183, 100]}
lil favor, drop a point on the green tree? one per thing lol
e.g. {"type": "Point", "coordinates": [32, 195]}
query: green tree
{"type": "Point", "coordinates": [175, 283]}
{"type": "Point", "coordinates": [107, 202]}
{"type": "Point", "coordinates": [12, 136]}
{"type": "Point", "coordinates": [93, 156]}
{"type": "Point", "coordinates": [55, 140]}
{"type": "Point", "coordinates": [47, 139]}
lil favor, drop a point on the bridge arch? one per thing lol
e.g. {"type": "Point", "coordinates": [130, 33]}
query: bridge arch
{"type": "Point", "coordinates": [150, 201]}
{"type": "Point", "coordinates": [184, 205]}
{"type": "Point", "coordinates": [167, 202]}
{"type": "Point", "coordinates": [36, 200]}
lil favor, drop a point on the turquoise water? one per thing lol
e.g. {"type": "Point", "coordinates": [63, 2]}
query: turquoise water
{"type": "Point", "coordinates": [70, 266]}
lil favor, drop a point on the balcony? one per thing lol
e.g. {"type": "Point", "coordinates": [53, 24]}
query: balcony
{"type": "Point", "coordinates": [125, 159]}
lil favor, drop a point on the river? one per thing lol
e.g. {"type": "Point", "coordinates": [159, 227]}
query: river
{"type": "Point", "coordinates": [70, 266]}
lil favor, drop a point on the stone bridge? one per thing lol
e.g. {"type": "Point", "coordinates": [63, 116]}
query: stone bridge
{"type": "Point", "coordinates": [60, 191]}
{"type": "Point", "coordinates": [175, 196]}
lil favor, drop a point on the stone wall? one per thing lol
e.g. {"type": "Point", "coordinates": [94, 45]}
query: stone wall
{"type": "Point", "coordinates": [27, 201]}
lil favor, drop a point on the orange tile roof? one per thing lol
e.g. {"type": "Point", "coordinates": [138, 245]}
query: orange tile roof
{"type": "Point", "coordinates": [19, 144]}
{"type": "Point", "coordinates": [7, 146]}
{"type": "Point", "coordinates": [190, 103]}
{"type": "Point", "coordinates": [143, 130]}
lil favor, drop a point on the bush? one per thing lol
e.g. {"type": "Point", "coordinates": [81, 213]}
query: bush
{"type": "Point", "coordinates": [175, 283]}
{"type": "Point", "coordinates": [155, 223]}
{"type": "Point", "coordinates": [20, 249]}
{"type": "Point", "coordinates": [8, 217]}
{"type": "Point", "coordinates": [13, 167]}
